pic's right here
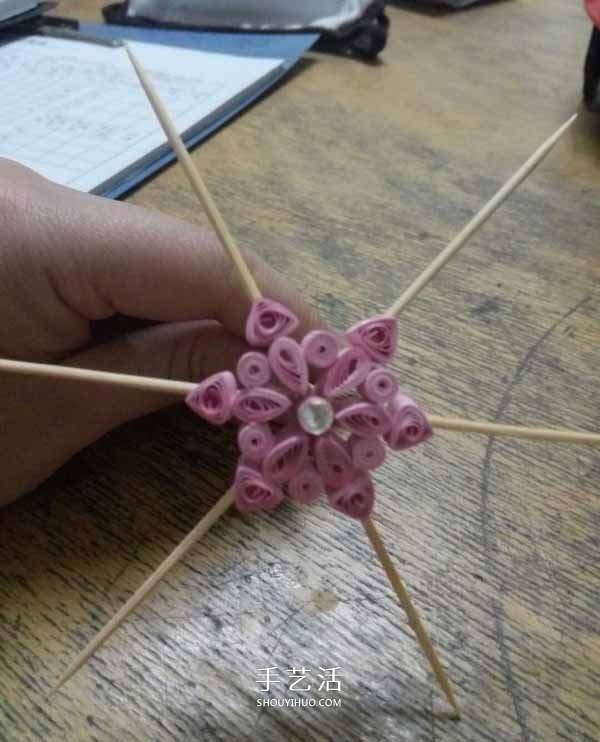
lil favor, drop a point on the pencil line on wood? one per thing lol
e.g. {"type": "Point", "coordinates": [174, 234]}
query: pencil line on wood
{"type": "Point", "coordinates": [198, 185]}
{"type": "Point", "coordinates": [213, 515]}
{"type": "Point", "coordinates": [411, 612]}
{"type": "Point", "coordinates": [477, 221]}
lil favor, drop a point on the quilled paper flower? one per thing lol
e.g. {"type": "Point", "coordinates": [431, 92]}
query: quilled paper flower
{"type": "Point", "coordinates": [316, 416]}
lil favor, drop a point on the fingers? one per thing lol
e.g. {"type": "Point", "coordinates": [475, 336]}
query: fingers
{"type": "Point", "coordinates": [105, 257]}
{"type": "Point", "coordinates": [45, 421]}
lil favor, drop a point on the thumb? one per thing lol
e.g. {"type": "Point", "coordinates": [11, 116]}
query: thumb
{"type": "Point", "coordinates": [50, 420]}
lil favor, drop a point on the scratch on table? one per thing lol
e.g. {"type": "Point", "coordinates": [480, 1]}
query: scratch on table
{"type": "Point", "coordinates": [488, 529]}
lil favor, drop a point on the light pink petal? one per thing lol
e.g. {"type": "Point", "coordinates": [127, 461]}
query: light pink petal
{"type": "Point", "coordinates": [260, 404]}
{"type": "Point", "coordinates": [409, 423]}
{"type": "Point", "coordinates": [356, 499]}
{"type": "Point", "coordinates": [333, 460]}
{"type": "Point", "coordinates": [255, 440]}
{"type": "Point", "coordinates": [349, 370]}
{"type": "Point", "coordinates": [268, 320]}
{"type": "Point", "coordinates": [252, 493]}
{"type": "Point", "coordinates": [320, 348]}
{"type": "Point", "coordinates": [306, 486]}
{"type": "Point", "coordinates": [366, 453]}
{"type": "Point", "coordinates": [378, 336]}
{"type": "Point", "coordinates": [364, 419]}
{"type": "Point", "coordinates": [286, 458]}
{"type": "Point", "coordinates": [380, 385]}
{"type": "Point", "coordinates": [288, 364]}
{"type": "Point", "coordinates": [253, 369]}
{"type": "Point", "coordinates": [213, 398]}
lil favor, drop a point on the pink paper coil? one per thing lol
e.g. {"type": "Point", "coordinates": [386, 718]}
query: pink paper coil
{"type": "Point", "coordinates": [268, 320]}
{"type": "Point", "coordinates": [260, 404]}
{"type": "Point", "coordinates": [380, 385]}
{"type": "Point", "coordinates": [288, 364]}
{"type": "Point", "coordinates": [253, 369]}
{"type": "Point", "coordinates": [366, 453]}
{"type": "Point", "coordinates": [409, 423]}
{"type": "Point", "coordinates": [320, 348]}
{"type": "Point", "coordinates": [364, 419]}
{"type": "Point", "coordinates": [255, 440]}
{"type": "Point", "coordinates": [287, 456]}
{"type": "Point", "coordinates": [355, 499]}
{"type": "Point", "coordinates": [333, 461]}
{"type": "Point", "coordinates": [349, 370]}
{"type": "Point", "coordinates": [377, 336]}
{"type": "Point", "coordinates": [213, 398]}
{"type": "Point", "coordinates": [253, 493]}
{"type": "Point", "coordinates": [306, 486]}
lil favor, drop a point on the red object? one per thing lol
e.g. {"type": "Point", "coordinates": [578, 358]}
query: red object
{"type": "Point", "coordinates": [593, 10]}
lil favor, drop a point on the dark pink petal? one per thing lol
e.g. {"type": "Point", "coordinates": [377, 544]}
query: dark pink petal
{"type": "Point", "coordinates": [306, 486]}
{"type": "Point", "coordinates": [213, 398]}
{"type": "Point", "coordinates": [364, 419]}
{"type": "Point", "coordinates": [259, 405]}
{"type": "Point", "coordinates": [255, 440]}
{"type": "Point", "coordinates": [349, 370]}
{"type": "Point", "coordinates": [356, 499]}
{"type": "Point", "coordinates": [409, 423]}
{"type": "Point", "coordinates": [333, 460]}
{"type": "Point", "coordinates": [366, 453]}
{"type": "Point", "coordinates": [378, 336]}
{"type": "Point", "coordinates": [380, 385]}
{"type": "Point", "coordinates": [286, 458]}
{"type": "Point", "coordinates": [253, 493]}
{"type": "Point", "coordinates": [320, 348]}
{"type": "Point", "coordinates": [288, 364]}
{"type": "Point", "coordinates": [268, 320]}
{"type": "Point", "coordinates": [253, 369]}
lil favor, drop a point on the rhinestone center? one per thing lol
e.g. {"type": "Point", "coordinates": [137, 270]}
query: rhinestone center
{"type": "Point", "coordinates": [315, 415]}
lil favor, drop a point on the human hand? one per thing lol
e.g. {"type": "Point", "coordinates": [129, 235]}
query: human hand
{"type": "Point", "coordinates": [68, 258]}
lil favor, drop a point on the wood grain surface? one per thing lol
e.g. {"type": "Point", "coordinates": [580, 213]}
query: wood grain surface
{"type": "Point", "coordinates": [349, 178]}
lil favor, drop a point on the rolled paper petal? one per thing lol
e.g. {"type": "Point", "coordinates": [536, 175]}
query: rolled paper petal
{"type": "Point", "coordinates": [378, 336]}
{"type": "Point", "coordinates": [349, 370]}
{"type": "Point", "coordinates": [355, 499]}
{"type": "Point", "coordinates": [366, 453]}
{"type": "Point", "coordinates": [253, 493]}
{"type": "Point", "coordinates": [253, 369]}
{"type": "Point", "coordinates": [268, 320]}
{"type": "Point", "coordinates": [287, 456]}
{"type": "Point", "coordinates": [288, 364]}
{"type": "Point", "coordinates": [364, 419]}
{"type": "Point", "coordinates": [379, 386]}
{"type": "Point", "coordinates": [255, 440]}
{"type": "Point", "coordinates": [260, 404]}
{"type": "Point", "coordinates": [214, 397]}
{"type": "Point", "coordinates": [333, 461]}
{"type": "Point", "coordinates": [320, 348]}
{"type": "Point", "coordinates": [409, 423]}
{"type": "Point", "coordinates": [306, 486]}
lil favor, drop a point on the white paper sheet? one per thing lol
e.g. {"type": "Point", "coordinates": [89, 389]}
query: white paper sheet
{"type": "Point", "coordinates": [75, 112]}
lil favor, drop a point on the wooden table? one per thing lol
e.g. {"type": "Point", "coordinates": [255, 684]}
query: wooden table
{"type": "Point", "coordinates": [350, 178]}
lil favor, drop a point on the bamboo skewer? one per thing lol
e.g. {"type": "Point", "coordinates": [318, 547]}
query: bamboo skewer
{"type": "Point", "coordinates": [457, 424]}
{"type": "Point", "coordinates": [213, 515]}
{"type": "Point", "coordinates": [477, 221]}
{"type": "Point", "coordinates": [411, 613]}
{"type": "Point", "coordinates": [200, 189]}
{"type": "Point", "coordinates": [181, 388]}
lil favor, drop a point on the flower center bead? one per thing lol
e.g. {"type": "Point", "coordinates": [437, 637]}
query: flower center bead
{"type": "Point", "coordinates": [315, 415]}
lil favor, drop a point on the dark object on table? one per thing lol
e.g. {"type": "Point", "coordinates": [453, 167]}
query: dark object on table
{"type": "Point", "coordinates": [30, 13]}
{"type": "Point", "coordinates": [591, 75]}
{"type": "Point", "coordinates": [363, 37]}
